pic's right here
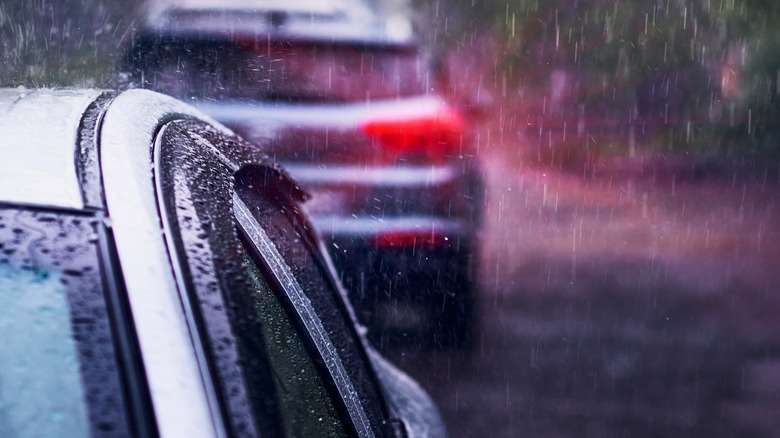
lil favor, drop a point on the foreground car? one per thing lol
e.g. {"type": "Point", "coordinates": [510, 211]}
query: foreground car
{"type": "Point", "coordinates": [397, 189]}
{"type": "Point", "coordinates": [159, 279]}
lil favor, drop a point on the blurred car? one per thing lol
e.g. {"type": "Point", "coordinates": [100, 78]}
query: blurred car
{"type": "Point", "coordinates": [158, 278]}
{"type": "Point", "coordinates": [397, 191]}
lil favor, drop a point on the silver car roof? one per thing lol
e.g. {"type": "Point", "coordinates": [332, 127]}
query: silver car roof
{"type": "Point", "coordinates": [39, 131]}
{"type": "Point", "coordinates": [183, 399]}
{"type": "Point", "coordinates": [38, 146]}
{"type": "Point", "coordinates": [321, 20]}
{"type": "Point", "coordinates": [38, 167]}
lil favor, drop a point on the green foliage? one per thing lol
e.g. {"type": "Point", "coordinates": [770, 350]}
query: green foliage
{"type": "Point", "coordinates": [669, 68]}
{"type": "Point", "coordinates": [61, 42]}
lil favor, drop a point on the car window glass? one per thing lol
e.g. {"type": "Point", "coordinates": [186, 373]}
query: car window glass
{"type": "Point", "coordinates": [35, 304]}
{"type": "Point", "coordinates": [290, 234]}
{"type": "Point", "coordinates": [263, 367]}
{"type": "Point", "coordinates": [58, 373]}
{"type": "Point", "coordinates": [306, 408]}
{"type": "Point", "coordinates": [279, 71]}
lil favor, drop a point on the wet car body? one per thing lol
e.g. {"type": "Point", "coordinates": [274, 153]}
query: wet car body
{"type": "Point", "coordinates": [397, 189]}
{"type": "Point", "coordinates": [161, 280]}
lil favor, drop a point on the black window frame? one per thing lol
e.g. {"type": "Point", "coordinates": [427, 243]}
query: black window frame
{"type": "Point", "coordinates": [125, 358]}
{"type": "Point", "coordinates": [208, 162]}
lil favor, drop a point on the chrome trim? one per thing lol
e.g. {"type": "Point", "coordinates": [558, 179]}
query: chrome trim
{"type": "Point", "coordinates": [333, 115]}
{"type": "Point", "coordinates": [300, 302]}
{"type": "Point", "coordinates": [404, 177]}
{"type": "Point", "coordinates": [39, 147]}
{"type": "Point", "coordinates": [365, 226]}
{"type": "Point", "coordinates": [181, 403]}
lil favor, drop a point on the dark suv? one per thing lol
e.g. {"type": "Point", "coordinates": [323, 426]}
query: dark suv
{"type": "Point", "coordinates": [159, 278]}
{"type": "Point", "coordinates": [397, 191]}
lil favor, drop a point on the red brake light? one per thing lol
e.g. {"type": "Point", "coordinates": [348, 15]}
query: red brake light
{"type": "Point", "coordinates": [404, 134]}
{"type": "Point", "coordinates": [406, 239]}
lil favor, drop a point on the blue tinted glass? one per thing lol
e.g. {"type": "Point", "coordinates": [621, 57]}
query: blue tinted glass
{"type": "Point", "coordinates": [46, 379]}
{"type": "Point", "coordinates": [59, 375]}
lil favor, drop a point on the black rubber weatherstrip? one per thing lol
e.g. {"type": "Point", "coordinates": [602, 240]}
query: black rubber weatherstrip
{"type": "Point", "coordinates": [129, 359]}
{"type": "Point", "coordinates": [135, 384]}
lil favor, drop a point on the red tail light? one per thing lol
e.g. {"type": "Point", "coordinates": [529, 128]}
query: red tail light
{"type": "Point", "coordinates": [439, 130]}
{"type": "Point", "coordinates": [406, 239]}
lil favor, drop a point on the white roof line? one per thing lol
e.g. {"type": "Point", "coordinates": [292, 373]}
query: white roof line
{"type": "Point", "coordinates": [38, 150]}
{"type": "Point", "coordinates": [179, 397]}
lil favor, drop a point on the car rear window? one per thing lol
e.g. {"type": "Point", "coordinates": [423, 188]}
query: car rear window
{"type": "Point", "coordinates": [283, 71]}
{"type": "Point", "coordinates": [58, 372]}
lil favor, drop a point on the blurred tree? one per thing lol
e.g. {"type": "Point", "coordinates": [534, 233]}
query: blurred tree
{"type": "Point", "coordinates": [61, 42]}
{"type": "Point", "coordinates": [755, 60]}
{"type": "Point", "coordinates": [669, 74]}
{"type": "Point", "coordinates": [638, 66]}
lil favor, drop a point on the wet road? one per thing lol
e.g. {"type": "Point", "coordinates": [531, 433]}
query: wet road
{"type": "Point", "coordinates": [635, 303]}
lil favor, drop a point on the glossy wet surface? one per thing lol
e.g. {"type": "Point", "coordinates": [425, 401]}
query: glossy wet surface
{"type": "Point", "coordinates": [641, 302]}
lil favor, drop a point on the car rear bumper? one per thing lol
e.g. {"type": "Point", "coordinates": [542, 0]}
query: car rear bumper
{"type": "Point", "coordinates": [403, 287]}
{"type": "Point", "coordinates": [402, 238]}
